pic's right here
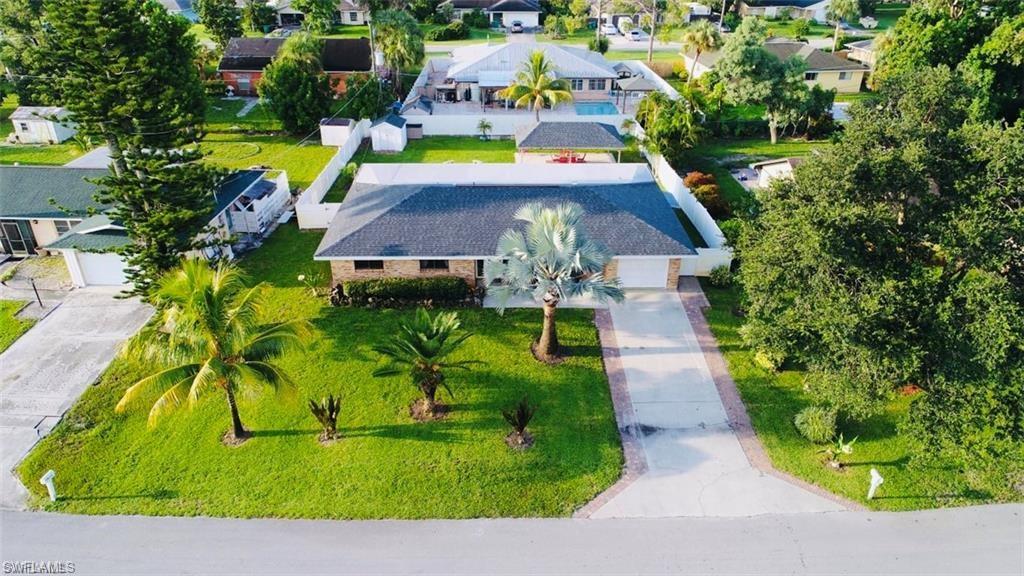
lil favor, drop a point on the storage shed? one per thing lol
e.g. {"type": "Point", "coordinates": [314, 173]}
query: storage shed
{"type": "Point", "coordinates": [41, 125]}
{"type": "Point", "coordinates": [389, 134]}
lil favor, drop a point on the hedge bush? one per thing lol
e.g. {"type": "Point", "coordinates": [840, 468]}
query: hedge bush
{"type": "Point", "coordinates": [720, 277]}
{"type": "Point", "coordinates": [816, 423]}
{"type": "Point", "coordinates": [476, 19]}
{"type": "Point", "coordinates": [457, 30]}
{"type": "Point", "coordinates": [599, 46]}
{"type": "Point", "coordinates": [403, 291]}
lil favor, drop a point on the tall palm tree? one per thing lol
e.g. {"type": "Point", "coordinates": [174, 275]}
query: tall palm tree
{"type": "Point", "coordinates": [535, 85]}
{"type": "Point", "coordinates": [700, 37]}
{"type": "Point", "coordinates": [210, 339]}
{"type": "Point", "coordinates": [553, 260]}
{"type": "Point", "coordinates": [399, 37]}
{"type": "Point", "coordinates": [839, 10]}
{"type": "Point", "coordinates": [422, 348]}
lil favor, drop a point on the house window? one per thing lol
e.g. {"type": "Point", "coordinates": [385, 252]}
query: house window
{"type": "Point", "coordinates": [810, 76]}
{"type": "Point", "coordinates": [64, 225]}
{"type": "Point", "coordinates": [596, 84]}
{"type": "Point", "coordinates": [480, 268]}
{"type": "Point", "coordinates": [845, 75]}
{"type": "Point", "coordinates": [576, 84]}
{"type": "Point", "coordinates": [353, 16]}
{"type": "Point", "coordinates": [369, 264]}
{"type": "Point", "coordinates": [433, 264]}
{"type": "Point", "coordinates": [23, 126]}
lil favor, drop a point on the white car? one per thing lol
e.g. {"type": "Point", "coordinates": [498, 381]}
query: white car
{"type": "Point", "coordinates": [636, 34]}
{"type": "Point", "coordinates": [609, 30]}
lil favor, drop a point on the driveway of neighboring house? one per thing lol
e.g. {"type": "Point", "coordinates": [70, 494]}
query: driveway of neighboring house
{"type": "Point", "coordinates": [45, 371]}
{"type": "Point", "coordinates": [695, 464]}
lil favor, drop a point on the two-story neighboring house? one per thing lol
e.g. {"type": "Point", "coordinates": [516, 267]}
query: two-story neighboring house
{"type": "Point", "coordinates": [347, 13]}
{"type": "Point", "coordinates": [244, 60]}
{"type": "Point", "coordinates": [822, 68]}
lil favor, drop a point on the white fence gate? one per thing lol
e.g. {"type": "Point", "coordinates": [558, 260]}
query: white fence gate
{"type": "Point", "coordinates": [310, 211]}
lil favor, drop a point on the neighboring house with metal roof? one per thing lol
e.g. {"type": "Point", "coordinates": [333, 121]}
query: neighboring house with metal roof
{"type": "Point", "coordinates": [244, 60]}
{"type": "Point", "coordinates": [447, 221]}
{"type": "Point", "coordinates": [499, 12]}
{"type": "Point", "coordinates": [52, 208]}
{"type": "Point", "coordinates": [41, 125]}
{"type": "Point", "coordinates": [816, 10]}
{"type": "Point", "coordinates": [822, 68]}
{"type": "Point", "coordinates": [346, 13]}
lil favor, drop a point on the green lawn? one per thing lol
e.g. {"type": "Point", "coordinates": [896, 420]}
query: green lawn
{"type": "Point", "coordinates": [45, 154]}
{"type": "Point", "coordinates": [10, 327]}
{"type": "Point", "coordinates": [888, 14]}
{"type": "Point", "coordinates": [7, 105]}
{"type": "Point", "coordinates": [641, 55]}
{"type": "Point", "coordinates": [758, 147]}
{"type": "Point", "coordinates": [773, 399]}
{"type": "Point", "coordinates": [437, 149]}
{"type": "Point", "coordinates": [386, 466]}
{"type": "Point", "coordinates": [239, 151]}
{"type": "Point", "coordinates": [222, 116]}
{"type": "Point", "coordinates": [853, 97]}
{"type": "Point", "coordinates": [786, 29]}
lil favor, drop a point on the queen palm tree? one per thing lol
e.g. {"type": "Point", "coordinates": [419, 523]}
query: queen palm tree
{"type": "Point", "coordinates": [700, 37]}
{"type": "Point", "coordinates": [400, 39]}
{"type": "Point", "coordinates": [553, 260]}
{"type": "Point", "coordinates": [839, 10]}
{"type": "Point", "coordinates": [535, 85]}
{"type": "Point", "coordinates": [422, 349]}
{"type": "Point", "coordinates": [210, 339]}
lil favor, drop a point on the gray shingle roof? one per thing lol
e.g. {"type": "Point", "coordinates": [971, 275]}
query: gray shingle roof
{"type": "Point", "coordinates": [392, 118]}
{"type": "Point", "coordinates": [95, 234]}
{"type": "Point", "coordinates": [451, 221]}
{"type": "Point", "coordinates": [815, 59]}
{"type": "Point", "coordinates": [25, 191]}
{"type": "Point", "coordinates": [569, 135]}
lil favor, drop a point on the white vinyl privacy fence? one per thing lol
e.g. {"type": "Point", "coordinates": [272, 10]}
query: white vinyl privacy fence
{"type": "Point", "coordinates": [310, 210]}
{"type": "Point", "coordinates": [718, 253]}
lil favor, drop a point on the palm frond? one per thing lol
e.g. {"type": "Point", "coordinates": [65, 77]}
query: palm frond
{"type": "Point", "coordinates": [162, 379]}
{"type": "Point", "coordinates": [168, 402]}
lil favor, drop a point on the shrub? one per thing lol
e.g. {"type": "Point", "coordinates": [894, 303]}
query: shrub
{"type": "Point", "coordinates": [694, 179]}
{"type": "Point", "coordinates": [599, 46]}
{"type": "Point", "coordinates": [721, 277]}
{"type": "Point", "coordinates": [662, 69]}
{"type": "Point", "coordinates": [731, 229]}
{"type": "Point", "coordinates": [215, 88]}
{"type": "Point", "coordinates": [476, 19]}
{"type": "Point", "coordinates": [769, 359]}
{"type": "Point", "coordinates": [326, 413]}
{"type": "Point", "coordinates": [679, 69]}
{"type": "Point", "coordinates": [518, 417]}
{"type": "Point", "coordinates": [816, 423]}
{"type": "Point", "coordinates": [710, 196]}
{"type": "Point", "coordinates": [457, 30]}
{"type": "Point", "coordinates": [402, 291]}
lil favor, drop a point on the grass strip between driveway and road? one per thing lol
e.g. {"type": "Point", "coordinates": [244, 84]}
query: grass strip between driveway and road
{"type": "Point", "coordinates": [386, 465]}
{"type": "Point", "coordinates": [11, 327]}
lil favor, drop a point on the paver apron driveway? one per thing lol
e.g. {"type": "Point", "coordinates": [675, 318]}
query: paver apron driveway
{"type": "Point", "coordinates": [44, 372]}
{"type": "Point", "coordinates": [696, 466]}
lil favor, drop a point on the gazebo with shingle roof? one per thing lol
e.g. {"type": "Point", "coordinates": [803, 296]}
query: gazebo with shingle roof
{"type": "Point", "coordinates": [569, 136]}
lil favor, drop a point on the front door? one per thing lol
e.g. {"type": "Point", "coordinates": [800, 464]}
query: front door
{"type": "Point", "coordinates": [15, 238]}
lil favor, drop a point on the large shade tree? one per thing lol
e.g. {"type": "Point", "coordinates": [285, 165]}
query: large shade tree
{"type": "Point", "coordinates": [211, 339]}
{"type": "Point", "coordinates": [895, 259]}
{"type": "Point", "coordinates": [422, 348]}
{"type": "Point", "coordinates": [318, 14]}
{"type": "Point", "coordinates": [295, 85]}
{"type": "Point", "coordinates": [222, 18]}
{"type": "Point", "coordinates": [752, 75]}
{"type": "Point", "coordinates": [552, 260]}
{"type": "Point", "coordinates": [535, 86]}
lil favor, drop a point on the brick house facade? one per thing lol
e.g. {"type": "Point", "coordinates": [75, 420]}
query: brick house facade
{"type": "Point", "coordinates": [244, 60]}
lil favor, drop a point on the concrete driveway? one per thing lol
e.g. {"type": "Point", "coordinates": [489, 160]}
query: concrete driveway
{"type": "Point", "coordinates": [695, 463]}
{"type": "Point", "coordinates": [48, 368]}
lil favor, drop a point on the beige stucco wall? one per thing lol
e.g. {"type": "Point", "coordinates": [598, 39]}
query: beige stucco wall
{"type": "Point", "coordinates": [44, 231]}
{"type": "Point", "coordinates": [588, 94]}
{"type": "Point", "coordinates": [342, 270]}
{"type": "Point", "coordinates": [830, 80]}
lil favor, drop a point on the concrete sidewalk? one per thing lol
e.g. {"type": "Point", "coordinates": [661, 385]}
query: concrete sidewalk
{"type": "Point", "coordinates": [695, 463]}
{"type": "Point", "coordinates": [47, 369]}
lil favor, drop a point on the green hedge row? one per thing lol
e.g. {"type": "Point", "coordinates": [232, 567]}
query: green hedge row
{"type": "Point", "coordinates": [440, 289]}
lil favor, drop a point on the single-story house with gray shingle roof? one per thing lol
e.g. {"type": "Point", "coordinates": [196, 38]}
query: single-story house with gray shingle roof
{"type": "Point", "coordinates": [429, 229]}
{"type": "Point", "coordinates": [822, 68]}
{"type": "Point", "coordinates": [52, 209]}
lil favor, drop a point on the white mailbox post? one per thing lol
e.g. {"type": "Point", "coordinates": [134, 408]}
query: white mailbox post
{"type": "Point", "coordinates": [876, 481]}
{"type": "Point", "coordinates": [47, 480]}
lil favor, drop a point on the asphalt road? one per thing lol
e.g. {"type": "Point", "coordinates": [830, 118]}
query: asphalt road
{"type": "Point", "coordinates": [977, 541]}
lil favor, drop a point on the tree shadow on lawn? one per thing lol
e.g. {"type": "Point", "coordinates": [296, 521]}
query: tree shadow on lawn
{"type": "Point", "coordinates": [278, 433]}
{"type": "Point", "coordinates": [437, 431]}
{"type": "Point", "coordinates": [152, 495]}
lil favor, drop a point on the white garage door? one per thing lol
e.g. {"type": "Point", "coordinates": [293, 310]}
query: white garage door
{"type": "Point", "coordinates": [643, 272]}
{"type": "Point", "coordinates": [101, 269]}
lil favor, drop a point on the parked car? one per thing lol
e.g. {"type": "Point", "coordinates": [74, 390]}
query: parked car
{"type": "Point", "coordinates": [636, 34]}
{"type": "Point", "coordinates": [516, 27]}
{"type": "Point", "coordinates": [609, 30]}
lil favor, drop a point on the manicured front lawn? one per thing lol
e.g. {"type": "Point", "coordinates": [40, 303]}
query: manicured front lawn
{"type": "Point", "coordinates": [10, 327]}
{"type": "Point", "coordinates": [437, 149]}
{"type": "Point", "coordinates": [888, 14]}
{"type": "Point", "coordinates": [386, 465]}
{"type": "Point", "coordinates": [222, 116]}
{"type": "Point", "coordinates": [239, 151]}
{"type": "Point", "coordinates": [760, 147]}
{"type": "Point", "coordinates": [773, 399]}
{"type": "Point", "coordinates": [41, 154]}
{"type": "Point", "coordinates": [787, 29]}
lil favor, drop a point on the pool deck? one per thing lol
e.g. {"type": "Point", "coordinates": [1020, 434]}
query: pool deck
{"type": "Point", "coordinates": [468, 108]}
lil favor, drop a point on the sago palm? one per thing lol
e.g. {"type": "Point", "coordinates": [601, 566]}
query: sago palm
{"type": "Point", "coordinates": [210, 339]}
{"type": "Point", "coordinates": [700, 37]}
{"type": "Point", "coordinates": [422, 349]}
{"type": "Point", "coordinates": [535, 85]}
{"type": "Point", "coordinates": [553, 260]}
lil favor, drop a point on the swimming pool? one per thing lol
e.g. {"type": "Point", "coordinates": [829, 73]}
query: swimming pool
{"type": "Point", "coordinates": [595, 108]}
